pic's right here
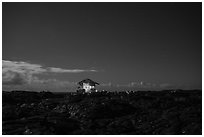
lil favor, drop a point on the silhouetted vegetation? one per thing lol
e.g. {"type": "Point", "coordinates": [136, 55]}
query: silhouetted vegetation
{"type": "Point", "coordinates": [167, 112]}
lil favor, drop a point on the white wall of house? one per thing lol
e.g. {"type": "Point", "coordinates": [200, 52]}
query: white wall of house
{"type": "Point", "coordinates": [87, 87]}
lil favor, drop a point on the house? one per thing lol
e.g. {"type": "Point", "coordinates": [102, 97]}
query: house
{"type": "Point", "coordinates": [87, 85]}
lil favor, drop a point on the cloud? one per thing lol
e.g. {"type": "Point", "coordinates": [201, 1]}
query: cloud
{"type": "Point", "coordinates": [13, 78]}
{"type": "Point", "coordinates": [19, 72]}
{"type": "Point", "coordinates": [131, 85]}
{"type": "Point", "coordinates": [106, 84]}
{"type": "Point", "coordinates": [142, 84]}
{"type": "Point", "coordinates": [166, 85]}
{"type": "Point", "coordinates": [53, 85]}
{"type": "Point", "coordinates": [22, 67]}
{"type": "Point", "coordinates": [59, 70]}
{"type": "Point", "coordinates": [147, 85]}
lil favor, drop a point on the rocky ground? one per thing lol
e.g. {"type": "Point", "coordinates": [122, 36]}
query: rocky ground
{"type": "Point", "coordinates": [173, 112]}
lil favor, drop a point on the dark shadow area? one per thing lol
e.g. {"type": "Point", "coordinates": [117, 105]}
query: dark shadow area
{"type": "Point", "coordinates": [170, 112]}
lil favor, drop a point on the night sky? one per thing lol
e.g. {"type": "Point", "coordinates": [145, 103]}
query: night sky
{"type": "Point", "coordinates": [51, 46]}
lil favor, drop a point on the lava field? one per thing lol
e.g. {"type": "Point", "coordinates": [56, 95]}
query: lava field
{"type": "Point", "coordinates": [169, 112]}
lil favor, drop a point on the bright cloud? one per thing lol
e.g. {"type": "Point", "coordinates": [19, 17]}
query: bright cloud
{"type": "Point", "coordinates": [13, 78]}
{"type": "Point", "coordinates": [22, 67]}
{"type": "Point", "coordinates": [19, 73]}
{"type": "Point", "coordinates": [60, 70]}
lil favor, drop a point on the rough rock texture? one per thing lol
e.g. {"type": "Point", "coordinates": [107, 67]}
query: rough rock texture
{"type": "Point", "coordinates": [104, 113]}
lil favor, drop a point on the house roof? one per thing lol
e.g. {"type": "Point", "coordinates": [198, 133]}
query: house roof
{"type": "Point", "coordinates": [91, 82]}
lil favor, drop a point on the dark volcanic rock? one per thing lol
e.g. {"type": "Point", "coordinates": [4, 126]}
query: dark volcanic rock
{"type": "Point", "coordinates": [9, 112]}
{"type": "Point", "coordinates": [100, 109]}
{"type": "Point", "coordinates": [171, 112]}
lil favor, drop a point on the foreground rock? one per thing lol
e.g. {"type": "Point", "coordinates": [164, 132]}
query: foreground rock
{"type": "Point", "coordinates": [104, 113]}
